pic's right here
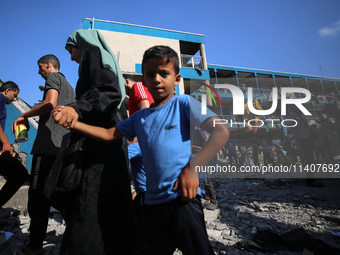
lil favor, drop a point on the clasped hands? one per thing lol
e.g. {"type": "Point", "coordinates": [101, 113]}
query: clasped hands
{"type": "Point", "coordinates": [65, 116]}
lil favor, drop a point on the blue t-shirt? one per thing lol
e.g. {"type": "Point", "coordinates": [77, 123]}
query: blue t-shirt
{"type": "Point", "coordinates": [3, 111]}
{"type": "Point", "coordinates": [164, 138]}
{"type": "Point", "coordinates": [137, 167]}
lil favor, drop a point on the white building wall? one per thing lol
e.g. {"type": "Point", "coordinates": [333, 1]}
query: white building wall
{"type": "Point", "coordinates": [129, 49]}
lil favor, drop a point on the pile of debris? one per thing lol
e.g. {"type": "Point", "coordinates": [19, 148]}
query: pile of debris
{"type": "Point", "coordinates": [254, 216]}
{"type": "Point", "coordinates": [275, 216]}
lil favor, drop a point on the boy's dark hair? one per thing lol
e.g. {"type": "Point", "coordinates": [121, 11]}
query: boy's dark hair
{"type": "Point", "coordinates": [162, 52]}
{"type": "Point", "coordinates": [12, 86]}
{"type": "Point", "coordinates": [50, 58]}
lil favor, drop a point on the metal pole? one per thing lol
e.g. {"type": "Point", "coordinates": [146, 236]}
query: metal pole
{"type": "Point", "coordinates": [205, 67]}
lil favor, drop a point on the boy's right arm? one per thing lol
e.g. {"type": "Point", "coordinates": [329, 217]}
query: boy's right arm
{"type": "Point", "coordinates": [98, 133]}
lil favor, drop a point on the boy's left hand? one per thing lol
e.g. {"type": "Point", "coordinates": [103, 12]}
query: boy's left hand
{"type": "Point", "coordinates": [189, 183]}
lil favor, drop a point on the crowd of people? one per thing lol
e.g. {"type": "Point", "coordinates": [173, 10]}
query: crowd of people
{"type": "Point", "coordinates": [156, 143]}
{"type": "Point", "coordinates": [275, 152]}
{"type": "Point", "coordinates": [165, 212]}
{"type": "Point", "coordinates": [304, 144]}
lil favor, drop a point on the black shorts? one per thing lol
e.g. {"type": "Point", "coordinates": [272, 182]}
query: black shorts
{"type": "Point", "coordinates": [171, 225]}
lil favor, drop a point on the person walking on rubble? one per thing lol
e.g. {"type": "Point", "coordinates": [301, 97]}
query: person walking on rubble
{"type": "Point", "coordinates": [302, 133]}
{"type": "Point", "coordinates": [102, 216]}
{"type": "Point", "coordinates": [45, 148]}
{"type": "Point", "coordinates": [10, 167]}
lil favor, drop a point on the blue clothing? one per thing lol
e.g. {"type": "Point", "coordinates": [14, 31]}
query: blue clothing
{"type": "Point", "coordinates": [164, 138]}
{"type": "Point", "coordinates": [3, 111]}
{"type": "Point", "coordinates": [230, 146]}
{"type": "Point", "coordinates": [137, 167]}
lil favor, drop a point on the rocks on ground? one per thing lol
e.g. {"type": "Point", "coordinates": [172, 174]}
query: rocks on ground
{"type": "Point", "coordinates": [246, 207]}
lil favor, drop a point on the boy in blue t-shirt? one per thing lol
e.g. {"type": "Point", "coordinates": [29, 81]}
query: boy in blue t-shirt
{"type": "Point", "coordinates": [172, 215]}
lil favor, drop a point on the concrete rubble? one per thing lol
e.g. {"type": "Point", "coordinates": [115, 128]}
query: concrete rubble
{"type": "Point", "coordinates": [246, 207]}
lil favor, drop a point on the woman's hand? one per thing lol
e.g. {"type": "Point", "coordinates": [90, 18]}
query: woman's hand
{"type": "Point", "coordinates": [65, 116]}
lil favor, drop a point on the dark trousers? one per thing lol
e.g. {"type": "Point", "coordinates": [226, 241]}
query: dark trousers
{"type": "Point", "coordinates": [267, 158]}
{"type": "Point", "coordinates": [256, 160]}
{"type": "Point", "coordinates": [38, 204]}
{"type": "Point", "coordinates": [171, 225]}
{"type": "Point", "coordinates": [209, 187]}
{"type": "Point", "coordinates": [307, 154]}
{"type": "Point", "coordinates": [232, 156]}
{"type": "Point", "coordinates": [138, 203]}
{"type": "Point", "coordinates": [306, 145]}
{"type": "Point", "coordinates": [15, 174]}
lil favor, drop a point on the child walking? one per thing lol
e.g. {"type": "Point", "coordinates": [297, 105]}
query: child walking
{"type": "Point", "coordinates": [172, 215]}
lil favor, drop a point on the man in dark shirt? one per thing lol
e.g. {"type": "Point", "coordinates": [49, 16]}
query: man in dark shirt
{"type": "Point", "coordinates": [10, 167]}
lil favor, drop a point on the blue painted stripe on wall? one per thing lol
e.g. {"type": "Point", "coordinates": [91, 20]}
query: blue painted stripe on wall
{"type": "Point", "coordinates": [193, 74]}
{"type": "Point", "coordinates": [186, 73]}
{"type": "Point", "coordinates": [141, 30]}
{"type": "Point", "coordinates": [258, 71]}
{"type": "Point", "coordinates": [138, 68]}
